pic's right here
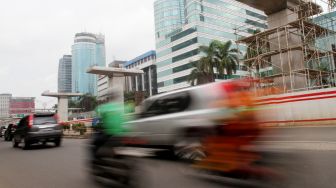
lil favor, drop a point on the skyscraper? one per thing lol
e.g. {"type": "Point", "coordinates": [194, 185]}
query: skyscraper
{"type": "Point", "coordinates": [64, 74]}
{"type": "Point", "coordinates": [88, 50]}
{"type": "Point", "coordinates": [182, 26]}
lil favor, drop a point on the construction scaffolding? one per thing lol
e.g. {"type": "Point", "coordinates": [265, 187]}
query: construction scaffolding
{"type": "Point", "coordinates": [299, 55]}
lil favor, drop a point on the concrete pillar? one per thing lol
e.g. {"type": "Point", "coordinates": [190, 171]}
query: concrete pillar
{"type": "Point", "coordinates": [62, 109]}
{"type": "Point", "coordinates": [129, 80]}
{"type": "Point", "coordinates": [150, 80]}
{"type": "Point", "coordinates": [143, 82]}
{"type": "Point", "coordinates": [116, 83]}
{"type": "Point", "coordinates": [288, 61]}
{"type": "Point", "coordinates": [136, 83]}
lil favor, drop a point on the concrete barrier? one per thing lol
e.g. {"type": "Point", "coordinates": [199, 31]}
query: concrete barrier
{"type": "Point", "coordinates": [316, 107]}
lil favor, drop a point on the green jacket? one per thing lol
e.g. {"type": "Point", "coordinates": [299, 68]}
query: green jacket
{"type": "Point", "coordinates": [112, 118]}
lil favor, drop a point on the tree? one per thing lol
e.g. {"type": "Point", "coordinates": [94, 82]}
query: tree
{"type": "Point", "coordinates": [129, 96]}
{"type": "Point", "coordinates": [218, 56]}
{"type": "Point", "coordinates": [87, 102]}
{"type": "Point", "coordinates": [209, 61]}
{"type": "Point", "coordinates": [227, 59]}
{"type": "Point", "coordinates": [72, 104]}
{"type": "Point", "coordinates": [199, 76]}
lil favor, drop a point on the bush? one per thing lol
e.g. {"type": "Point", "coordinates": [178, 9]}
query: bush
{"type": "Point", "coordinates": [79, 127]}
{"type": "Point", "coordinates": [65, 126]}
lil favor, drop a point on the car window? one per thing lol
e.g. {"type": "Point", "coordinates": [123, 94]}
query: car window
{"type": "Point", "coordinates": [168, 104]}
{"type": "Point", "coordinates": [42, 120]}
{"type": "Point", "coordinates": [178, 103]}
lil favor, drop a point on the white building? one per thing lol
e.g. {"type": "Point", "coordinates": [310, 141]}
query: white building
{"type": "Point", "coordinates": [5, 104]}
{"type": "Point", "coordinates": [146, 82]}
{"type": "Point", "coordinates": [103, 81]}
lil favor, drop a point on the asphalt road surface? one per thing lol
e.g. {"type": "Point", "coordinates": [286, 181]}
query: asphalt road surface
{"type": "Point", "coordinates": [313, 164]}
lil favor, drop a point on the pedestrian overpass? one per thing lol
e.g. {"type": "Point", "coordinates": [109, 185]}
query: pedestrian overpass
{"type": "Point", "coordinates": [62, 105]}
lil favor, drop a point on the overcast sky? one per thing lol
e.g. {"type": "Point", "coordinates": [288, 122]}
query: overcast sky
{"type": "Point", "coordinates": [36, 33]}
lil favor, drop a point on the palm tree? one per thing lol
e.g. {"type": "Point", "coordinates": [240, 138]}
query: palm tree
{"type": "Point", "coordinates": [217, 56]}
{"type": "Point", "coordinates": [210, 60]}
{"type": "Point", "coordinates": [227, 59]}
{"type": "Point", "coordinates": [199, 76]}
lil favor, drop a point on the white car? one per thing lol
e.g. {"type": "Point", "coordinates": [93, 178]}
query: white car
{"type": "Point", "coordinates": [178, 120]}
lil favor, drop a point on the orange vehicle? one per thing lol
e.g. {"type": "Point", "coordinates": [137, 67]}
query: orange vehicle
{"type": "Point", "coordinates": [226, 151]}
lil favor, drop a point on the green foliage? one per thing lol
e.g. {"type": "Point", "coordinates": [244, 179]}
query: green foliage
{"type": "Point", "coordinates": [199, 76]}
{"type": "Point", "coordinates": [79, 127]}
{"type": "Point", "coordinates": [217, 56]}
{"type": "Point", "coordinates": [129, 96]}
{"type": "Point", "coordinates": [86, 102]}
{"type": "Point", "coordinates": [65, 126]}
{"type": "Point", "coordinates": [129, 107]}
{"type": "Point", "coordinates": [72, 104]}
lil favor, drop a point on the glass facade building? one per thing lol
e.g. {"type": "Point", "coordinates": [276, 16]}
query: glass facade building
{"type": "Point", "coordinates": [327, 43]}
{"type": "Point", "coordinates": [189, 24]}
{"type": "Point", "coordinates": [88, 50]}
{"type": "Point", "coordinates": [328, 21]}
{"type": "Point", "coordinates": [64, 74]}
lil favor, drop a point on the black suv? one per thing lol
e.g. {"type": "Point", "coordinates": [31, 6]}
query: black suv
{"type": "Point", "coordinates": [37, 128]}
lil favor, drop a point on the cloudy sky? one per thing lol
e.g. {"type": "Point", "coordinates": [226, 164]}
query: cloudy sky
{"type": "Point", "coordinates": [36, 33]}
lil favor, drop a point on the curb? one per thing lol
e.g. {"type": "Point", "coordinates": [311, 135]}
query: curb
{"type": "Point", "coordinates": [76, 137]}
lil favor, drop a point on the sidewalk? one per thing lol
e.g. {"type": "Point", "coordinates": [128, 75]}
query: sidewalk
{"type": "Point", "coordinates": [75, 134]}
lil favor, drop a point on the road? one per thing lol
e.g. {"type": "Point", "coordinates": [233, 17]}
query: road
{"type": "Point", "coordinates": [49, 167]}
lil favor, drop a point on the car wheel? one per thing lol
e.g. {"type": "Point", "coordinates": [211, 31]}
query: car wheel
{"type": "Point", "coordinates": [15, 143]}
{"type": "Point", "coordinates": [26, 144]}
{"type": "Point", "coordinates": [111, 169]}
{"type": "Point", "coordinates": [58, 142]}
{"type": "Point", "coordinates": [189, 149]}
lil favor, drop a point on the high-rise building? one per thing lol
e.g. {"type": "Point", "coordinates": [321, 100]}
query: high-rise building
{"type": "Point", "coordinates": [146, 82]}
{"type": "Point", "coordinates": [64, 74]}
{"type": "Point", "coordinates": [182, 26]}
{"type": "Point", "coordinates": [328, 21]}
{"type": "Point", "coordinates": [5, 104]}
{"type": "Point", "coordinates": [88, 50]}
